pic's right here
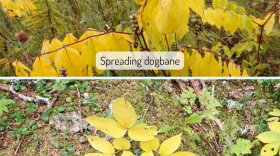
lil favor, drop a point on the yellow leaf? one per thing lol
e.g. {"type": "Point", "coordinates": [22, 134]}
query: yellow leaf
{"type": "Point", "coordinates": [183, 16]}
{"type": "Point", "coordinates": [208, 66]}
{"type": "Point", "coordinates": [20, 69]}
{"type": "Point", "coordinates": [152, 129]}
{"type": "Point", "coordinates": [42, 68]}
{"type": "Point", "coordinates": [89, 52]}
{"type": "Point", "coordinates": [245, 74]}
{"type": "Point", "coordinates": [121, 143]}
{"type": "Point", "coordinates": [267, 149]}
{"type": "Point", "coordinates": [269, 137]}
{"type": "Point", "coordinates": [55, 44]}
{"type": "Point", "coordinates": [124, 112]}
{"type": "Point", "coordinates": [166, 19]}
{"type": "Point", "coordinates": [150, 145]}
{"type": "Point", "coordinates": [170, 145]}
{"type": "Point", "coordinates": [225, 73]}
{"type": "Point", "coordinates": [127, 153]}
{"type": "Point", "coordinates": [196, 5]}
{"type": "Point", "coordinates": [276, 112]}
{"type": "Point", "coordinates": [70, 59]}
{"type": "Point", "coordinates": [236, 72]}
{"type": "Point", "coordinates": [274, 126]}
{"type": "Point", "coordinates": [69, 38]}
{"type": "Point", "coordinates": [185, 70]}
{"type": "Point", "coordinates": [101, 145]}
{"type": "Point", "coordinates": [115, 42]}
{"type": "Point", "coordinates": [87, 34]}
{"type": "Point", "coordinates": [147, 154]}
{"type": "Point", "coordinates": [139, 133]}
{"type": "Point", "coordinates": [194, 62]}
{"type": "Point", "coordinates": [45, 49]}
{"type": "Point", "coordinates": [108, 126]}
{"type": "Point", "coordinates": [97, 154]}
{"type": "Point", "coordinates": [183, 154]}
{"type": "Point", "coordinates": [269, 25]}
{"type": "Point", "coordinates": [231, 68]}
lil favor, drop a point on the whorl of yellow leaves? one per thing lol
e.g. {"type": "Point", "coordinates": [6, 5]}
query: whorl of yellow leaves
{"type": "Point", "coordinates": [18, 8]}
{"type": "Point", "coordinates": [125, 121]}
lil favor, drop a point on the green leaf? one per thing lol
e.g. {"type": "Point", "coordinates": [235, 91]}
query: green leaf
{"type": "Point", "coordinates": [166, 129]}
{"type": "Point", "coordinates": [69, 109]}
{"type": "Point", "coordinates": [60, 109]}
{"type": "Point", "coordinates": [68, 117]}
{"type": "Point", "coordinates": [194, 118]}
{"type": "Point", "coordinates": [3, 103]}
{"type": "Point", "coordinates": [242, 146]}
{"type": "Point", "coordinates": [188, 96]}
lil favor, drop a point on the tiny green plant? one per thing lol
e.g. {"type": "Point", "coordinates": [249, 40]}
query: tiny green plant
{"type": "Point", "coordinates": [3, 105]}
{"type": "Point", "coordinates": [126, 120]}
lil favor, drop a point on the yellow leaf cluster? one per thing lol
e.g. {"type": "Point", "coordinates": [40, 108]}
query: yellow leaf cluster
{"type": "Point", "coordinates": [168, 147]}
{"type": "Point", "coordinates": [18, 8]}
{"type": "Point", "coordinates": [207, 66]}
{"type": "Point", "coordinates": [76, 56]}
{"type": "Point", "coordinates": [126, 119]}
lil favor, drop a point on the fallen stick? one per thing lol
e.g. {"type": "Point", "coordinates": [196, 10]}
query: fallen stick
{"type": "Point", "coordinates": [55, 99]}
{"type": "Point", "coordinates": [37, 101]}
{"type": "Point", "coordinates": [80, 109]}
{"type": "Point", "coordinates": [19, 145]}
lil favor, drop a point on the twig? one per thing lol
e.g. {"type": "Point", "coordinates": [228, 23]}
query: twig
{"type": "Point", "coordinates": [80, 110]}
{"type": "Point", "coordinates": [202, 82]}
{"type": "Point", "coordinates": [147, 110]}
{"type": "Point", "coordinates": [55, 99]}
{"type": "Point", "coordinates": [180, 84]}
{"type": "Point", "coordinates": [19, 145]}
{"type": "Point", "coordinates": [25, 98]}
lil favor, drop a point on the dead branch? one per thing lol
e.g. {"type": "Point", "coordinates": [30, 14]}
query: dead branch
{"type": "Point", "coordinates": [80, 109]}
{"type": "Point", "coordinates": [55, 99]}
{"type": "Point", "coordinates": [38, 100]}
{"type": "Point", "coordinates": [16, 152]}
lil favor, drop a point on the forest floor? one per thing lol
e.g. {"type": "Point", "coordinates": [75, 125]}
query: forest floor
{"type": "Point", "coordinates": [28, 128]}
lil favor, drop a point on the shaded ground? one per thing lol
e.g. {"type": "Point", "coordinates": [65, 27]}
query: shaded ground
{"type": "Point", "coordinates": [57, 131]}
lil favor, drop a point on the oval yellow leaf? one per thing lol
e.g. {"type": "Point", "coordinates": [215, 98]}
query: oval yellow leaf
{"type": "Point", "coordinates": [55, 44]}
{"type": "Point", "coordinates": [70, 59]}
{"type": "Point", "coordinates": [20, 69]}
{"type": "Point", "coordinates": [42, 68]}
{"type": "Point", "coordinates": [269, 137]}
{"type": "Point", "coordinates": [276, 112]}
{"type": "Point", "coordinates": [274, 126]}
{"type": "Point", "coordinates": [69, 38]}
{"type": "Point", "coordinates": [147, 154]}
{"type": "Point", "coordinates": [45, 49]}
{"type": "Point", "coordinates": [267, 149]}
{"type": "Point", "coordinates": [92, 46]}
{"type": "Point", "coordinates": [124, 112]}
{"type": "Point", "coordinates": [183, 154]}
{"type": "Point", "coordinates": [170, 145]}
{"type": "Point", "coordinates": [101, 145]}
{"type": "Point", "coordinates": [121, 143]}
{"type": "Point", "coordinates": [108, 126]}
{"type": "Point", "coordinates": [150, 145]}
{"type": "Point", "coordinates": [139, 133]}
{"type": "Point", "coordinates": [127, 153]}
